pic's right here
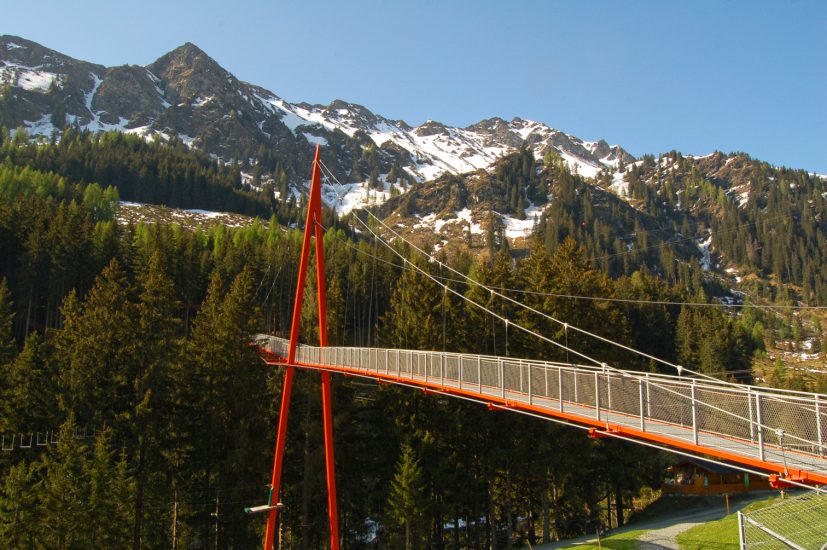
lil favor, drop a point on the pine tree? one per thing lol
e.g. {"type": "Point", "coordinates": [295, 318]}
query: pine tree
{"type": "Point", "coordinates": [8, 346]}
{"type": "Point", "coordinates": [29, 400]}
{"type": "Point", "coordinates": [158, 311]}
{"type": "Point", "coordinates": [99, 346]}
{"type": "Point", "coordinates": [20, 520]}
{"type": "Point", "coordinates": [407, 501]}
{"type": "Point", "coordinates": [224, 428]}
{"type": "Point", "coordinates": [111, 493]}
{"type": "Point", "coordinates": [64, 511]}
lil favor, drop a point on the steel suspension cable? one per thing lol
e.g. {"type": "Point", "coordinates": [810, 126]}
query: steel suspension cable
{"type": "Point", "coordinates": [679, 368]}
{"type": "Point", "coordinates": [431, 258]}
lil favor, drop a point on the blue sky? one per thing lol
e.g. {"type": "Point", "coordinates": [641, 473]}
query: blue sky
{"type": "Point", "coordinates": [650, 75]}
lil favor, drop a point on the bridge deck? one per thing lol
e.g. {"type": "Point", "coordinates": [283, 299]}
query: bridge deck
{"type": "Point", "coordinates": [770, 430]}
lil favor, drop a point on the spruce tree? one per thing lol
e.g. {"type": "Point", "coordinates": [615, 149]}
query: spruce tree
{"type": "Point", "coordinates": [20, 519]}
{"type": "Point", "coordinates": [8, 346]}
{"type": "Point", "coordinates": [99, 347]}
{"type": "Point", "coordinates": [111, 494]}
{"type": "Point", "coordinates": [64, 511]}
{"type": "Point", "coordinates": [30, 397]}
{"type": "Point", "coordinates": [407, 498]}
{"type": "Point", "coordinates": [158, 315]}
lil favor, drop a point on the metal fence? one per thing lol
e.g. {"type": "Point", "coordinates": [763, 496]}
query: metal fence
{"type": "Point", "coordinates": [795, 522]}
{"type": "Point", "coordinates": [782, 427]}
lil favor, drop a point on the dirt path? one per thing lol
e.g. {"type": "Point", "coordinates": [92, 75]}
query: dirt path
{"type": "Point", "coordinates": [664, 536]}
{"type": "Point", "coordinates": [665, 527]}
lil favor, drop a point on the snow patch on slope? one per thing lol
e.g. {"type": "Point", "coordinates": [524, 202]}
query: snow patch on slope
{"type": "Point", "coordinates": [619, 185]}
{"type": "Point", "coordinates": [351, 196]}
{"type": "Point", "coordinates": [517, 228]}
{"type": "Point", "coordinates": [706, 256]}
{"type": "Point", "coordinates": [28, 78]}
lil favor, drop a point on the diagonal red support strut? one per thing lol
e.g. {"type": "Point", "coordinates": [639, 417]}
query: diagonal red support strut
{"type": "Point", "coordinates": [312, 226]}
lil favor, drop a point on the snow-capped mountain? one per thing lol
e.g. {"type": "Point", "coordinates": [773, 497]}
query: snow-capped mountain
{"type": "Point", "coordinates": [186, 94]}
{"type": "Point", "coordinates": [474, 190]}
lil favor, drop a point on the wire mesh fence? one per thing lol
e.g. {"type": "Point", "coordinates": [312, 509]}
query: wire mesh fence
{"type": "Point", "coordinates": [798, 522]}
{"type": "Point", "coordinates": [785, 428]}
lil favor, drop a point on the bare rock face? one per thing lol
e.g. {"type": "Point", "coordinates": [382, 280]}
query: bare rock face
{"type": "Point", "coordinates": [130, 93]}
{"type": "Point", "coordinates": [497, 131]}
{"type": "Point", "coordinates": [189, 74]}
{"type": "Point", "coordinates": [431, 128]}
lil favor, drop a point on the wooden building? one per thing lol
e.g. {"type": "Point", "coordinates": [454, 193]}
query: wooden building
{"type": "Point", "coordinates": [700, 477]}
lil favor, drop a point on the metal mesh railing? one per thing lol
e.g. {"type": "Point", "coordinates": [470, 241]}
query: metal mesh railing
{"type": "Point", "coordinates": [796, 522]}
{"type": "Point", "coordinates": [786, 428]}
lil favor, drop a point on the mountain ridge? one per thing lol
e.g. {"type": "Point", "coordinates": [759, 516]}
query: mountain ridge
{"type": "Point", "coordinates": [486, 187]}
{"type": "Point", "coordinates": [187, 94]}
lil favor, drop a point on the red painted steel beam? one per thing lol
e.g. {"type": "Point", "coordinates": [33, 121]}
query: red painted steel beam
{"type": "Point", "coordinates": [309, 228]}
{"type": "Point", "coordinates": [313, 226]}
{"type": "Point", "coordinates": [330, 474]}
{"type": "Point", "coordinates": [278, 460]}
{"type": "Point", "coordinates": [327, 403]}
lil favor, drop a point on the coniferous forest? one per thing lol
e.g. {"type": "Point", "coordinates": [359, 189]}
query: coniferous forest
{"type": "Point", "coordinates": [144, 419]}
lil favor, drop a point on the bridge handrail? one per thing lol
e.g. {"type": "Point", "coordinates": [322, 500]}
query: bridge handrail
{"type": "Point", "coordinates": [745, 415]}
{"type": "Point", "coordinates": [765, 391]}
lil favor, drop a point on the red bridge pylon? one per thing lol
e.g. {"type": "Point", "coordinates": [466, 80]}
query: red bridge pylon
{"type": "Point", "coordinates": [312, 225]}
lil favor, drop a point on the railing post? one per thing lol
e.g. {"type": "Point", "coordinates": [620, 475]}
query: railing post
{"type": "Point", "coordinates": [560, 386]}
{"type": "Point", "coordinates": [759, 424]}
{"type": "Point", "coordinates": [609, 389]}
{"type": "Point", "coordinates": [576, 400]}
{"type": "Point", "coordinates": [426, 369]}
{"type": "Point", "coordinates": [818, 427]}
{"type": "Point", "coordinates": [520, 366]}
{"type": "Point", "coordinates": [648, 400]}
{"type": "Point", "coordinates": [694, 416]}
{"type": "Point", "coordinates": [642, 415]}
{"type": "Point", "coordinates": [597, 395]}
{"type": "Point", "coordinates": [442, 370]}
{"type": "Point", "coordinates": [460, 370]}
{"type": "Point", "coordinates": [742, 535]}
{"type": "Point", "coordinates": [530, 401]}
{"type": "Point", "coordinates": [502, 378]}
{"type": "Point", "coordinates": [479, 373]}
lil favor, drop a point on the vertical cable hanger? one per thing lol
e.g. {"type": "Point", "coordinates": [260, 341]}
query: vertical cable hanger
{"type": "Point", "coordinates": [444, 299]}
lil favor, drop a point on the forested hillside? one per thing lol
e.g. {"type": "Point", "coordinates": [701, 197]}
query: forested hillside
{"type": "Point", "coordinates": [763, 220]}
{"type": "Point", "coordinates": [129, 345]}
{"type": "Point", "coordinates": [154, 172]}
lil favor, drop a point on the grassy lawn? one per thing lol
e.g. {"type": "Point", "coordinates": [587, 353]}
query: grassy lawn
{"type": "Point", "coordinates": [718, 535]}
{"type": "Point", "coordinates": [621, 541]}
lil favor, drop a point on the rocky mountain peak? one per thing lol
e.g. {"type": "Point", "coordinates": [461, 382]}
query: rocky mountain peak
{"type": "Point", "coordinates": [19, 51]}
{"type": "Point", "coordinates": [430, 128]}
{"type": "Point", "coordinates": [352, 114]}
{"type": "Point", "coordinates": [191, 73]}
{"type": "Point", "coordinates": [498, 131]}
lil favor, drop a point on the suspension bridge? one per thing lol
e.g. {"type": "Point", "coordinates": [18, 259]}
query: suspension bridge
{"type": "Point", "coordinates": [774, 433]}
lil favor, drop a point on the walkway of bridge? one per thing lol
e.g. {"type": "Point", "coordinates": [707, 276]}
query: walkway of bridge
{"type": "Point", "coordinates": [765, 430]}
